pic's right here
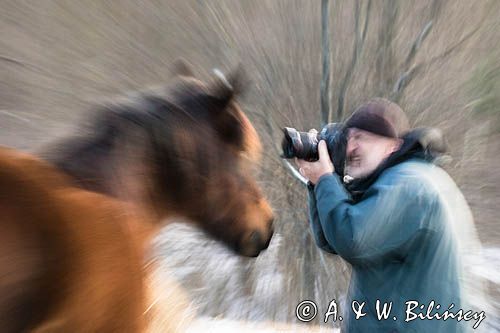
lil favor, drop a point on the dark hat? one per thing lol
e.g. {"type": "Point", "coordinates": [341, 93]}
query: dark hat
{"type": "Point", "coordinates": [380, 116]}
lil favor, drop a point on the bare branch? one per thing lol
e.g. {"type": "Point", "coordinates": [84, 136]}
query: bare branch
{"type": "Point", "coordinates": [403, 81]}
{"type": "Point", "coordinates": [22, 63]}
{"type": "Point", "coordinates": [384, 68]}
{"type": "Point", "coordinates": [452, 48]}
{"type": "Point", "coordinates": [409, 72]}
{"type": "Point", "coordinates": [15, 61]}
{"type": "Point", "coordinates": [367, 17]}
{"type": "Point", "coordinates": [29, 66]}
{"type": "Point", "coordinates": [358, 46]}
{"type": "Point", "coordinates": [417, 43]}
{"type": "Point", "coordinates": [325, 92]}
{"type": "Point", "coordinates": [406, 77]}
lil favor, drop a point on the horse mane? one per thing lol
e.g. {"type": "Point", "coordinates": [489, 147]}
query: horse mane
{"type": "Point", "coordinates": [150, 121]}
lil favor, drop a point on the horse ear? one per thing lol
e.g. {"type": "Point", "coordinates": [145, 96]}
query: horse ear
{"type": "Point", "coordinates": [239, 80]}
{"type": "Point", "coordinates": [226, 87]}
{"type": "Point", "coordinates": [222, 91]}
{"type": "Point", "coordinates": [181, 67]}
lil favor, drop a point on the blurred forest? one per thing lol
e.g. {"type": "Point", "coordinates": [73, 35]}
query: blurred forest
{"type": "Point", "coordinates": [440, 60]}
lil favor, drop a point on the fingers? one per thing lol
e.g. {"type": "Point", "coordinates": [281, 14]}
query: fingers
{"type": "Point", "coordinates": [322, 150]}
{"type": "Point", "coordinates": [300, 164]}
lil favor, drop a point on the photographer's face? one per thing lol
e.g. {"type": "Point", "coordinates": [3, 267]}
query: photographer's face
{"type": "Point", "coordinates": [365, 151]}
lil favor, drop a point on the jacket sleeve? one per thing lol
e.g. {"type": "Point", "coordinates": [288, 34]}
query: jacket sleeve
{"type": "Point", "coordinates": [389, 219]}
{"type": "Point", "coordinates": [316, 228]}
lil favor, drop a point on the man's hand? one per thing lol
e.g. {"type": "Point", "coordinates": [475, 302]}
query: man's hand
{"type": "Point", "coordinates": [314, 170]}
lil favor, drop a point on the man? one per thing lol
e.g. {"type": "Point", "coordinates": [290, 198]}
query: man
{"type": "Point", "coordinates": [399, 225]}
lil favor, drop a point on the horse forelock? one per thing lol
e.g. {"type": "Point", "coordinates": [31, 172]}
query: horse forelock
{"type": "Point", "coordinates": [217, 104]}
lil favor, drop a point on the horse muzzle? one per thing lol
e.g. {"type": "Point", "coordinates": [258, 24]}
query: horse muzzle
{"type": "Point", "coordinates": [255, 242]}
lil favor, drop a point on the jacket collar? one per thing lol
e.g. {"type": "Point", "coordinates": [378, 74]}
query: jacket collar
{"type": "Point", "coordinates": [424, 143]}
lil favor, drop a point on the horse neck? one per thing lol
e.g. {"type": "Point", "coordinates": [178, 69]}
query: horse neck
{"type": "Point", "coordinates": [114, 166]}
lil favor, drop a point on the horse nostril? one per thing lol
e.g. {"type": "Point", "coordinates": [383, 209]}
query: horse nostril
{"type": "Point", "coordinates": [269, 236]}
{"type": "Point", "coordinates": [255, 239]}
{"type": "Point", "coordinates": [252, 245]}
{"type": "Point", "coordinates": [256, 242]}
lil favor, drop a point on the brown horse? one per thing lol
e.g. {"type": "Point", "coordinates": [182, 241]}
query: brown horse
{"type": "Point", "coordinates": [75, 227]}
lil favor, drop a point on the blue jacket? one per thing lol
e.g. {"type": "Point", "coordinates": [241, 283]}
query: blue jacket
{"type": "Point", "coordinates": [400, 239]}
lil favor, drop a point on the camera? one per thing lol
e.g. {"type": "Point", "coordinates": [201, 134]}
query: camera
{"type": "Point", "coordinates": [304, 145]}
